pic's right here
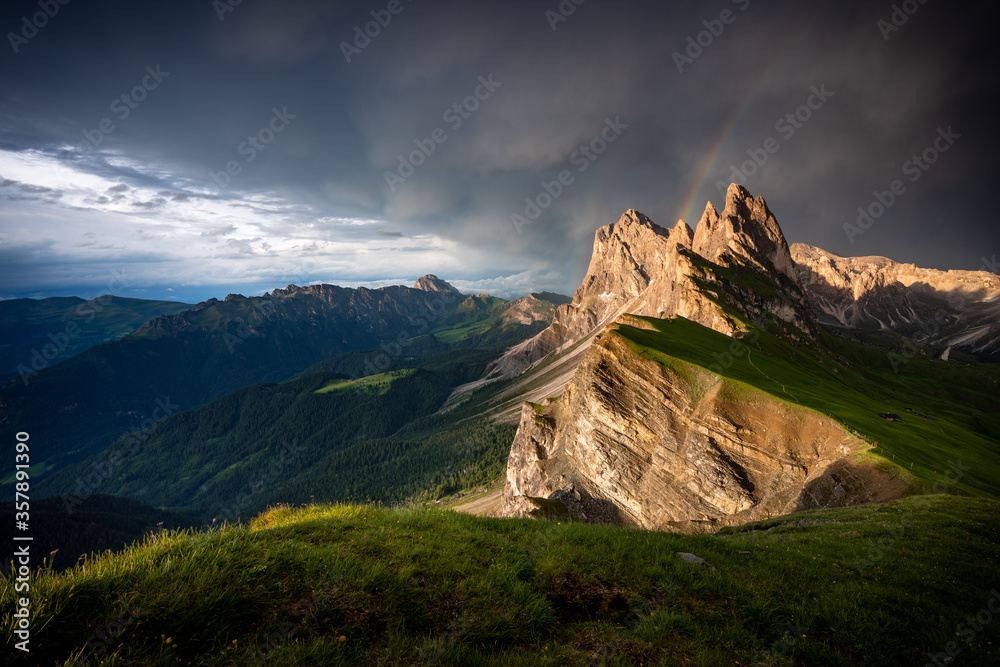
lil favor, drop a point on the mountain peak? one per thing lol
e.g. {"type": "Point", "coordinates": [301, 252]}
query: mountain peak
{"type": "Point", "coordinates": [746, 227]}
{"type": "Point", "coordinates": [431, 283]}
{"type": "Point", "coordinates": [681, 234]}
{"type": "Point", "coordinates": [633, 217]}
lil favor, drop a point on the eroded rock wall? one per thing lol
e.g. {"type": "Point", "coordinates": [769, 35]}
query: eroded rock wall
{"type": "Point", "coordinates": [636, 442]}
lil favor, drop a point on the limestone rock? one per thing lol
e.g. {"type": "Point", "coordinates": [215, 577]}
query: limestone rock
{"type": "Point", "coordinates": [695, 560]}
{"type": "Point", "coordinates": [639, 267]}
{"type": "Point", "coordinates": [633, 442]}
{"type": "Point", "coordinates": [958, 309]}
{"type": "Point", "coordinates": [746, 227]}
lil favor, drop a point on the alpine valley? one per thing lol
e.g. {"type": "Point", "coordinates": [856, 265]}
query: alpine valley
{"type": "Point", "coordinates": [411, 475]}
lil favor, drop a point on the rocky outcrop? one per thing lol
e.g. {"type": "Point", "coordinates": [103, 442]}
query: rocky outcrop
{"type": "Point", "coordinates": [641, 268]}
{"type": "Point", "coordinates": [746, 228]}
{"type": "Point", "coordinates": [959, 309]}
{"type": "Point", "coordinates": [527, 310]}
{"type": "Point", "coordinates": [626, 254]}
{"type": "Point", "coordinates": [635, 442]}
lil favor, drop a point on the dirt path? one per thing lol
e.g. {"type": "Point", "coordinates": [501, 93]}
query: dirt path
{"type": "Point", "coordinates": [480, 504]}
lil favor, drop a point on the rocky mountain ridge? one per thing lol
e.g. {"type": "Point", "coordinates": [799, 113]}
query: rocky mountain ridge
{"type": "Point", "coordinates": [959, 309]}
{"type": "Point", "coordinates": [374, 310]}
{"type": "Point", "coordinates": [217, 347]}
{"type": "Point", "coordinates": [633, 441]}
{"type": "Point", "coordinates": [641, 268]}
{"type": "Point", "coordinates": [643, 442]}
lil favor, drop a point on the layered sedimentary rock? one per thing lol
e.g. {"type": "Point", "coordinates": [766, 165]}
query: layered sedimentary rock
{"type": "Point", "coordinates": [634, 442]}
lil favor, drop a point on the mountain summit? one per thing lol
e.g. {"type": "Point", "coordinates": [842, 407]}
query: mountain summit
{"type": "Point", "coordinates": [431, 283]}
{"type": "Point", "coordinates": [640, 268]}
{"type": "Point", "coordinates": [747, 228]}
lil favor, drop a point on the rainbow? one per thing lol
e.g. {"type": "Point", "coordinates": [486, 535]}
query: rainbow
{"type": "Point", "coordinates": [686, 211]}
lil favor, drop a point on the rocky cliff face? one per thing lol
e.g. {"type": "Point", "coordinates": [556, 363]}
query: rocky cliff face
{"type": "Point", "coordinates": [958, 309]}
{"type": "Point", "coordinates": [527, 310]}
{"type": "Point", "coordinates": [634, 442]}
{"type": "Point", "coordinates": [746, 228]}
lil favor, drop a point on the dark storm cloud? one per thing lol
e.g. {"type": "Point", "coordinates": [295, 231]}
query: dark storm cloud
{"type": "Point", "coordinates": [530, 98]}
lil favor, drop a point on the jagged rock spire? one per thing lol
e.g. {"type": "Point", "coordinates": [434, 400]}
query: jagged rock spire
{"type": "Point", "coordinates": [745, 227]}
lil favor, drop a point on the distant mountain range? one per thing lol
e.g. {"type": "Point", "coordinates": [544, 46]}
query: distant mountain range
{"type": "Point", "coordinates": [125, 389]}
{"type": "Point", "coordinates": [38, 333]}
{"type": "Point", "coordinates": [935, 309]}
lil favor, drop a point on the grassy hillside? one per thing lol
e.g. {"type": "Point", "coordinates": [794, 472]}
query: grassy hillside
{"type": "Point", "coordinates": [61, 327]}
{"type": "Point", "coordinates": [355, 585]}
{"type": "Point", "coordinates": [372, 384]}
{"type": "Point", "coordinates": [855, 384]}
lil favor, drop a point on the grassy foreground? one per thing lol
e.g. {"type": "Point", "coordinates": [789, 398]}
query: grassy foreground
{"type": "Point", "coordinates": [348, 584]}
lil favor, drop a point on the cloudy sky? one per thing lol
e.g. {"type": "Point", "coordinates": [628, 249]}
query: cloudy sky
{"type": "Point", "coordinates": [206, 147]}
